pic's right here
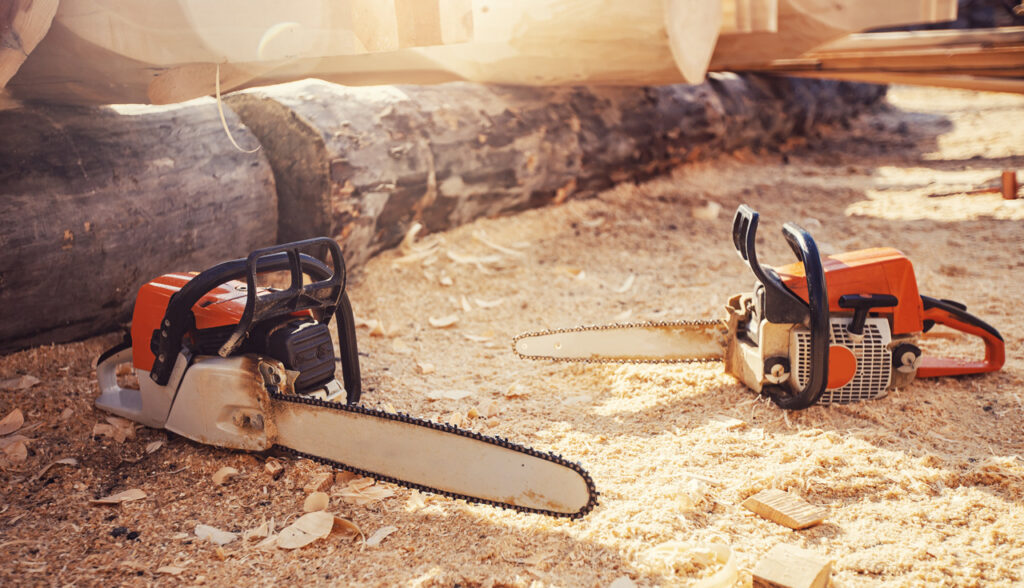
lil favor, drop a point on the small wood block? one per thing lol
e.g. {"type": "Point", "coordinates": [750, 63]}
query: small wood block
{"type": "Point", "coordinates": [321, 482]}
{"type": "Point", "coordinates": [273, 468]}
{"type": "Point", "coordinates": [785, 509]}
{"type": "Point", "coordinates": [788, 566]}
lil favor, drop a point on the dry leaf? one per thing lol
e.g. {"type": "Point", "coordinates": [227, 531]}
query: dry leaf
{"type": "Point", "coordinates": [125, 496]}
{"type": "Point", "coordinates": [153, 446]}
{"type": "Point", "coordinates": [425, 368]}
{"type": "Point", "coordinates": [448, 394]}
{"type": "Point", "coordinates": [316, 501]}
{"type": "Point", "coordinates": [16, 452]}
{"type": "Point", "coordinates": [379, 535]}
{"type": "Point", "coordinates": [444, 322]}
{"type": "Point", "coordinates": [21, 383]}
{"type": "Point", "coordinates": [66, 461]}
{"type": "Point", "coordinates": [305, 530]}
{"type": "Point", "coordinates": [223, 475]}
{"type": "Point", "coordinates": [215, 535]}
{"type": "Point", "coordinates": [12, 422]}
{"type": "Point", "coordinates": [626, 285]}
{"type": "Point", "coordinates": [488, 303]}
{"type": "Point", "coordinates": [170, 570]}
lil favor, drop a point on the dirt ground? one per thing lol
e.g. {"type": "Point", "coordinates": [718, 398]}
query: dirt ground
{"type": "Point", "coordinates": [922, 487]}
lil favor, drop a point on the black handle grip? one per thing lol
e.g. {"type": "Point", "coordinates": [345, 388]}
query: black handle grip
{"type": "Point", "coordinates": [783, 306]}
{"type": "Point", "coordinates": [861, 304]}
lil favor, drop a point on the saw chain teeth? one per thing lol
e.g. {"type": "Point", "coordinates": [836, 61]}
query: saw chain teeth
{"type": "Point", "coordinates": [447, 428]}
{"type": "Point", "coordinates": [585, 328]}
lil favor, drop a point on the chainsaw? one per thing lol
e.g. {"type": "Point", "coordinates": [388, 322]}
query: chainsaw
{"type": "Point", "coordinates": [833, 329]}
{"type": "Point", "coordinates": [223, 361]}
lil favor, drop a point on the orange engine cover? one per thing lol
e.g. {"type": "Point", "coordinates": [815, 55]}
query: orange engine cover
{"type": "Point", "coordinates": [882, 270]}
{"type": "Point", "coordinates": [219, 307]}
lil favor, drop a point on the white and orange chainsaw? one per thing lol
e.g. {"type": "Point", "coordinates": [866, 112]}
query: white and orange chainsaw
{"type": "Point", "coordinates": [222, 361]}
{"type": "Point", "coordinates": [836, 329]}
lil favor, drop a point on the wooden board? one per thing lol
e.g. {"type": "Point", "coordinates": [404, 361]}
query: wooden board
{"type": "Point", "coordinates": [788, 566]}
{"type": "Point", "coordinates": [788, 510]}
{"type": "Point", "coordinates": [963, 82]}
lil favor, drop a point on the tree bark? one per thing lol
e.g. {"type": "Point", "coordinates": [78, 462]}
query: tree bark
{"type": "Point", "coordinates": [363, 164]}
{"type": "Point", "coordinates": [93, 203]}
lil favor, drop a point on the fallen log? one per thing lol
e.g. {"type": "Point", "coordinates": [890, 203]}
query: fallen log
{"type": "Point", "coordinates": [363, 164]}
{"type": "Point", "coordinates": [93, 202]}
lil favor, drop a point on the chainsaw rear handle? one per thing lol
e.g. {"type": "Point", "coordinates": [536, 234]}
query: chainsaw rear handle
{"type": "Point", "coordinates": [955, 316]}
{"type": "Point", "coordinates": [781, 305]}
{"type": "Point", "coordinates": [326, 294]}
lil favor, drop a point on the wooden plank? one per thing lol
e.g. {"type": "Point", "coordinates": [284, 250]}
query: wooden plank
{"type": "Point", "coordinates": [788, 566]}
{"type": "Point", "coordinates": [749, 16]}
{"type": "Point", "coordinates": [23, 23]}
{"type": "Point", "coordinates": [788, 510]}
{"type": "Point", "coordinates": [692, 31]}
{"type": "Point", "coordinates": [924, 40]}
{"type": "Point", "coordinates": [948, 59]}
{"type": "Point", "coordinates": [963, 82]}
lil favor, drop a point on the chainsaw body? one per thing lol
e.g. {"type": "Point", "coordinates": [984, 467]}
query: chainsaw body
{"type": "Point", "coordinates": [207, 347]}
{"type": "Point", "coordinates": [840, 328]}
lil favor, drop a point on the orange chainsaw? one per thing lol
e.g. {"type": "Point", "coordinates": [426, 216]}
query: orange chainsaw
{"type": "Point", "coordinates": [836, 329]}
{"type": "Point", "coordinates": [223, 361]}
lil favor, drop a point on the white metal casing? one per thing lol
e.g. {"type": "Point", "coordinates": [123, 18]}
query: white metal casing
{"type": "Point", "coordinates": [874, 359]}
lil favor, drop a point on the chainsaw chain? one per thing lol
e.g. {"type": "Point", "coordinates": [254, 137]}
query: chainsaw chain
{"type": "Point", "coordinates": [585, 328]}
{"type": "Point", "coordinates": [446, 428]}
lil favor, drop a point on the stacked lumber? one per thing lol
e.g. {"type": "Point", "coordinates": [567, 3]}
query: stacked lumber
{"type": "Point", "coordinates": [163, 51]}
{"type": "Point", "coordinates": [978, 59]}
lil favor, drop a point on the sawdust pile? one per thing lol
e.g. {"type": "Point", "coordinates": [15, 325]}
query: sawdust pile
{"type": "Point", "coordinates": [921, 487]}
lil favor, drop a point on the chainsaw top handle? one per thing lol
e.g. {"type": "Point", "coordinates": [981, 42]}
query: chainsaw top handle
{"type": "Point", "coordinates": [781, 305]}
{"type": "Point", "coordinates": [326, 294]}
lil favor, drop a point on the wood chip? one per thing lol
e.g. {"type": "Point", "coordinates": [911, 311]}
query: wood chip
{"type": "Point", "coordinates": [215, 535]}
{"type": "Point", "coordinates": [321, 482]}
{"type": "Point", "coordinates": [464, 304]}
{"type": "Point", "coordinates": [517, 391]}
{"type": "Point", "coordinates": [224, 475]}
{"type": "Point", "coordinates": [116, 428]}
{"type": "Point", "coordinates": [444, 322]}
{"type": "Point", "coordinates": [400, 346]}
{"type": "Point", "coordinates": [154, 446]}
{"type": "Point", "coordinates": [261, 531]}
{"type": "Point", "coordinates": [417, 501]}
{"type": "Point", "coordinates": [482, 237]}
{"type": "Point", "coordinates": [316, 501]}
{"type": "Point", "coordinates": [20, 383]}
{"type": "Point", "coordinates": [623, 316]}
{"type": "Point", "coordinates": [379, 535]}
{"type": "Point", "coordinates": [445, 280]}
{"type": "Point", "coordinates": [788, 566]}
{"type": "Point", "coordinates": [363, 491]}
{"type": "Point", "coordinates": [626, 285]}
{"type": "Point", "coordinates": [273, 468]}
{"type": "Point", "coordinates": [477, 338]}
{"type": "Point", "coordinates": [16, 452]}
{"type": "Point", "coordinates": [346, 527]}
{"type": "Point", "coordinates": [707, 210]}
{"type": "Point", "coordinates": [12, 422]}
{"type": "Point", "coordinates": [785, 509]}
{"type": "Point", "coordinates": [727, 422]}
{"type": "Point", "coordinates": [66, 414]}
{"type": "Point", "coordinates": [125, 496]}
{"type": "Point", "coordinates": [305, 530]}
{"type": "Point", "coordinates": [489, 408]}
{"type": "Point", "coordinates": [170, 570]}
{"type": "Point", "coordinates": [448, 394]}
{"type": "Point", "coordinates": [6, 442]}
{"type": "Point", "coordinates": [455, 418]}
{"type": "Point", "coordinates": [488, 303]}
{"type": "Point", "coordinates": [425, 368]}
{"type": "Point", "coordinates": [622, 582]}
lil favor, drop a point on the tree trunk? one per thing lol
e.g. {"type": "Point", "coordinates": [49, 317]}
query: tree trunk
{"type": "Point", "coordinates": [362, 164]}
{"type": "Point", "coordinates": [93, 203]}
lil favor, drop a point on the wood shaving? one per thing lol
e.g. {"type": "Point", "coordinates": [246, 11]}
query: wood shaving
{"type": "Point", "coordinates": [622, 582]}
{"type": "Point", "coordinates": [455, 418]}
{"type": "Point", "coordinates": [305, 530]}
{"type": "Point", "coordinates": [364, 491]}
{"type": "Point", "coordinates": [445, 280]}
{"type": "Point", "coordinates": [316, 501]}
{"type": "Point", "coordinates": [12, 422]}
{"type": "Point", "coordinates": [448, 394]}
{"type": "Point", "coordinates": [425, 368]}
{"type": "Point", "coordinates": [443, 322]}
{"type": "Point", "coordinates": [707, 210]}
{"type": "Point", "coordinates": [480, 236]}
{"type": "Point", "coordinates": [20, 383]}
{"type": "Point", "coordinates": [16, 452]}
{"type": "Point", "coordinates": [215, 535]}
{"type": "Point", "coordinates": [626, 285]}
{"type": "Point", "coordinates": [261, 531]}
{"type": "Point", "coordinates": [224, 475]}
{"type": "Point", "coordinates": [68, 461]}
{"type": "Point", "coordinates": [170, 570]}
{"type": "Point", "coordinates": [12, 439]}
{"type": "Point", "coordinates": [66, 414]}
{"type": "Point", "coordinates": [400, 346]}
{"type": "Point", "coordinates": [154, 446]}
{"type": "Point", "coordinates": [623, 316]}
{"type": "Point", "coordinates": [489, 408]}
{"type": "Point", "coordinates": [273, 468]}
{"type": "Point", "coordinates": [416, 501]}
{"type": "Point", "coordinates": [379, 535]}
{"type": "Point", "coordinates": [118, 498]}
{"type": "Point", "coordinates": [477, 338]}
{"type": "Point", "coordinates": [464, 304]}
{"type": "Point", "coordinates": [478, 261]}
{"type": "Point", "coordinates": [488, 303]}
{"type": "Point", "coordinates": [321, 482]}
{"type": "Point", "coordinates": [516, 391]}
{"type": "Point", "coordinates": [346, 527]}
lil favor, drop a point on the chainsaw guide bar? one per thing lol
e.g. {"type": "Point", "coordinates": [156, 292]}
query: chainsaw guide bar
{"type": "Point", "coordinates": [689, 341]}
{"type": "Point", "coordinates": [529, 459]}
